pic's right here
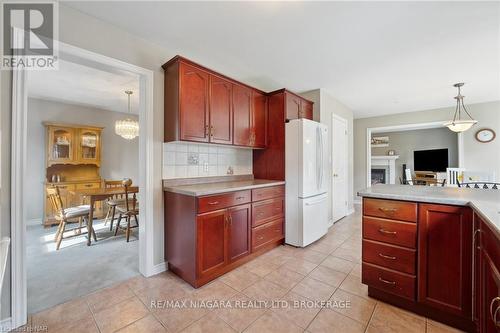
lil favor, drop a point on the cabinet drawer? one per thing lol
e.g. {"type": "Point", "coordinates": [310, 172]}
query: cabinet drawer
{"type": "Point", "coordinates": [219, 201]}
{"type": "Point", "coordinates": [388, 280]}
{"type": "Point", "coordinates": [391, 232]}
{"type": "Point", "coordinates": [87, 185]}
{"type": "Point", "coordinates": [390, 209]}
{"type": "Point", "coordinates": [266, 233]}
{"type": "Point", "coordinates": [393, 257]}
{"type": "Point", "coordinates": [268, 210]}
{"type": "Point", "coordinates": [268, 192]}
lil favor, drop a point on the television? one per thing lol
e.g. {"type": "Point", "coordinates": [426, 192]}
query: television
{"type": "Point", "coordinates": [435, 160]}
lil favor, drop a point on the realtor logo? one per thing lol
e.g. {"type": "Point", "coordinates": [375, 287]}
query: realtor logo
{"type": "Point", "coordinates": [29, 35]}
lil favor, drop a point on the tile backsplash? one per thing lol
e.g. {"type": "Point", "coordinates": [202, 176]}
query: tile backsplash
{"type": "Point", "coordinates": [187, 160]}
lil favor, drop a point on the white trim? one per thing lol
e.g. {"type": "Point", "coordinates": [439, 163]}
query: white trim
{"type": "Point", "coordinates": [405, 127]}
{"type": "Point", "coordinates": [146, 169]}
{"type": "Point", "coordinates": [17, 218]}
{"type": "Point", "coordinates": [356, 201]}
{"type": "Point", "coordinates": [346, 163]}
{"type": "Point", "coordinates": [160, 268]}
{"type": "Point", "coordinates": [6, 325]}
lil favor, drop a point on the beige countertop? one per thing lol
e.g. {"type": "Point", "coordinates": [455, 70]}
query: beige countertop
{"type": "Point", "coordinates": [486, 203]}
{"type": "Point", "coordinates": [198, 190]}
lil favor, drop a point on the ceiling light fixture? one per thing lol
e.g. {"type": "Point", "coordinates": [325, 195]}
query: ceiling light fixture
{"type": "Point", "coordinates": [458, 124]}
{"type": "Point", "coordinates": [127, 128]}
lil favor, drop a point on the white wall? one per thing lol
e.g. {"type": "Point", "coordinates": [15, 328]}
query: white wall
{"type": "Point", "coordinates": [325, 106]}
{"type": "Point", "coordinates": [119, 157]}
{"type": "Point", "coordinates": [477, 156]}
{"type": "Point", "coordinates": [206, 160]}
{"type": "Point", "coordinates": [405, 142]}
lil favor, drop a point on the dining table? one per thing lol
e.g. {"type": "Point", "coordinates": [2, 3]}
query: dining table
{"type": "Point", "coordinates": [99, 194]}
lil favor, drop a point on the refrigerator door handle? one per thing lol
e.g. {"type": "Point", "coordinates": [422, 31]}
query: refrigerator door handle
{"type": "Point", "coordinates": [318, 157]}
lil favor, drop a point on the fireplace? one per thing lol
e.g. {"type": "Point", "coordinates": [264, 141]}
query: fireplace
{"type": "Point", "coordinates": [379, 175]}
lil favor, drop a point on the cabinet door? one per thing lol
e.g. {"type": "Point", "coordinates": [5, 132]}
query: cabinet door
{"type": "Point", "coordinates": [89, 142]}
{"type": "Point", "coordinates": [221, 115]}
{"type": "Point", "coordinates": [60, 145]}
{"type": "Point", "coordinates": [238, 232]}
{"type": "Point", "coordinates": [445, 255]}
{"type": "Point", "coordinates": [292, 106]}
{"type": "Point", "coordinates": [259, 120]}
{"type": "Point", "coordinates": [306, 110]}
{"type": "Point", "coordinates": [193, 103]}
{"type": "Point", "coordinates": [242, 104]}
{"type": "Point", "coordinates": [211, 242]}
{"type": "Point", "coordinates": [489, 281]}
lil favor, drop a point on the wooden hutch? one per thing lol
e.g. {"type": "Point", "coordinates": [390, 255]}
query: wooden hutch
{"type": "Point", "coordinates": [73, 159]}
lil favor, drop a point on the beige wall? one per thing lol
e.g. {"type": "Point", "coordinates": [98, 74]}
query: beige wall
{"type": "Point", "coordinates": [119, 157]}
{"type": "Point", "coordinates": [477, 156]}
{"type": "Point", "coordinates": [405, 142]}
{"type": "Point", "coordinates": [325, 106]}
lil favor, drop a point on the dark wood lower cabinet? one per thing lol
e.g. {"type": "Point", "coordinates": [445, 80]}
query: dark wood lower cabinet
{"type": "Point", "coordinates": [239, 232]}
{"type": "Point", "coordinates": [445, 256]}
{"type": "Point", "coordinates": [211, 241]}
{"type": "Point", "coordinates": [202, 243]}
{"type": "Point", "coordinates": [488, 293]}
{"type": "Point", "coordinates": [446, 285]}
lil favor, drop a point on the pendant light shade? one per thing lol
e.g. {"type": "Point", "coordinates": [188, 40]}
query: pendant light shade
{"type": "Point", "coordinates": [127, 128]}
{"type": "Point", "coordinates": [458, 124]}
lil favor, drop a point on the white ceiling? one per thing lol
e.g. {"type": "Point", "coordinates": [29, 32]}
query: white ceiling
{"type": "Point", "coordinates": [82, 85]}
{"type": "Point", "coordinates": [375, 57]}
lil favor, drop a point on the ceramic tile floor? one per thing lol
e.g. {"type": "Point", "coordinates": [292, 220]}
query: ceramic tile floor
{"type": "Point", "coordinates": [328, 270]}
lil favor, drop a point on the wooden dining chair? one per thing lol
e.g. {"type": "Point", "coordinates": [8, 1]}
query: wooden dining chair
{"type": "Point", "coordinates": [65, 215]}
{"type": "Point", "coordinates": [128, 210]}
{"type": "Point", "coordinates": [117, 199]}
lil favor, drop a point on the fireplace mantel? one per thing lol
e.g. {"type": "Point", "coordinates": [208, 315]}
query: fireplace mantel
{"type": "Point", "coordinates": [387, 161]}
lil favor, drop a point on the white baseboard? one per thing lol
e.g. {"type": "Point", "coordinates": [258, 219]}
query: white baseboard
{"type": "Point", "coordinates": [6, 325]}
{"type": "Point", "coordinates": [34, 222]}
{"type": "Point", "coordinates": [157, 269]}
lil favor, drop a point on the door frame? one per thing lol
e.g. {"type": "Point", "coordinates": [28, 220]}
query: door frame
{"type": "Point", "coordinates": [336, 117]}
{"type": "Point", "coordinates": [406, 127]}
{"type": "Point", "coordinates": [18, 165]}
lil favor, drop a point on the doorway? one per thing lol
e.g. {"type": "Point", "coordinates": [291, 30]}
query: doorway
{"type": "Point", "coordinates": [339, 167]}
{"type": "Point", "coordinates": [20, 188]}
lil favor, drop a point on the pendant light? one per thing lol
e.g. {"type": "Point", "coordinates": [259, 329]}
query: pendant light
{"type": "Point", "coordinates": [127, 128]}
{"type": "Point", "coordinates": [458, 124]}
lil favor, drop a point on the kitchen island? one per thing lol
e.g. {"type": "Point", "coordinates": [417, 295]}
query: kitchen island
{"type": "Point", "coordinates": [434, 251]}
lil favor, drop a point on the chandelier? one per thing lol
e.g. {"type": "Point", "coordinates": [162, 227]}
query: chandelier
{"type": "Point", "coordinates": [127, 128]}
{"type": "Point", "coordinates": [458, 124]}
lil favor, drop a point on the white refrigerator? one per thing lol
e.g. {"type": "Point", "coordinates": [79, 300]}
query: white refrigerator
{"type": "Point", "coordinates": [306, 158]}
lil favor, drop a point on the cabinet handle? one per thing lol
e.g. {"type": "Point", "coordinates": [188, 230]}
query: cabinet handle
{"type": "Point", "coordinates": [474, 275]}
{"type": "Point", "coordinates": [387, 232]}
{"type": "Point", "coordinates": [392, 283]}
{"type": "Point", "coordinates": [386, 257]}
{"type": "Point", "coordinates": [88, 185]}
{"type": "Point", "coordinates": [260, 237]}
{"type": "Point", "coordinates": [207, 131]}
{"type": "Point", "coordinates": [230, 220]}
{"type": "Point", "coordinates": [387, 210]}
{"type": "Point", "coordinates": [240, 198]}
{"type": "Point", "coordinates": [260, 213]}
{"type": "Point", "coordinates": [213, 203]}
{"type": "Point", "coordinates": [493, 301]}
{"type": "Point", "coordinates": [277, 230]}
{"type": "Point", "coordinates": [212, 130]}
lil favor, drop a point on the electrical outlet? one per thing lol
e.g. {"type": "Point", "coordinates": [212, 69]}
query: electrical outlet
{"type": "Point", "coordinates": [205, 166]}
{"type": "Point", "coordinates": [193, 158]}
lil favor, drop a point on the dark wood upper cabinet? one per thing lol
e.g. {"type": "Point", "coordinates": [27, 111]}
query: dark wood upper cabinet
{"type": "Point", "coordinates": [221, 114]}
{"type": "Point", "coordinates": [239, 231]}
{"type": "Point", "coordinates": [242, 111]}
{"type": "Point", "coordinates": [293, 109]}
{"type": "Point", "coordinates": [193, 108]}
{"type": "Point", "coordinates": [211, 242]}
{"type": "Point", "coordinates": [306, 109]}
{"type": "Point", "coordinates": [445, 254]}
{"type": "Point", "coordinates": [259, 120]}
